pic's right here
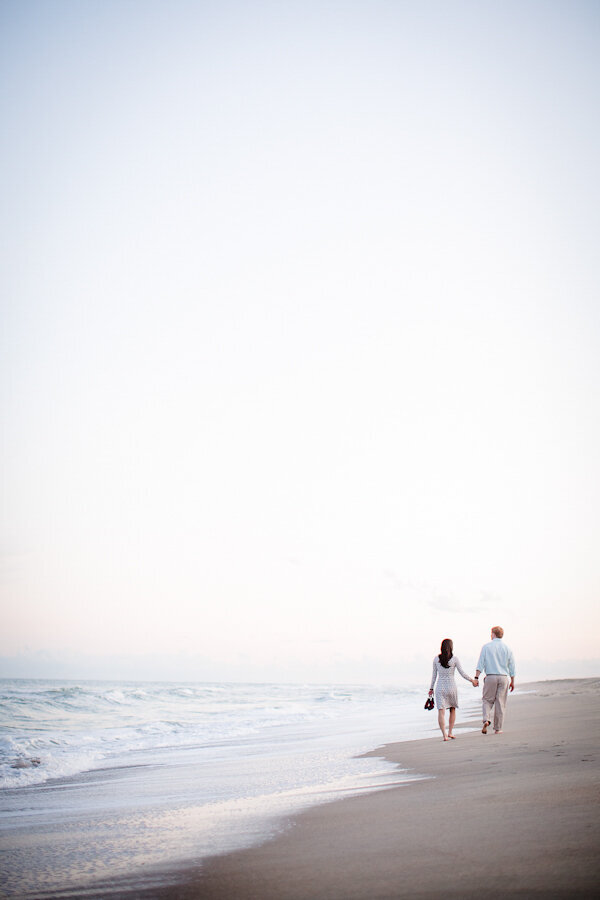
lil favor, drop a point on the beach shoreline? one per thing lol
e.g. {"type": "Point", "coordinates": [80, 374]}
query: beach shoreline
{"type": "Point", "coordinates": [138, 780]}
{"type": "Point", "coordinates": [501, 815]}
{"type": "Point", "coordinates": [504, 815]}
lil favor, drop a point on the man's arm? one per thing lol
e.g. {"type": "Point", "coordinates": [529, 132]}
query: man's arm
{"type": "Point", "coordinates": [480, 664]}
{"type": "Point", "coordinates": [511, 670]}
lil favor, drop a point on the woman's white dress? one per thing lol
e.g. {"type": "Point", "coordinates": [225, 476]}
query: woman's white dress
{"type": "Point", "coordinates": [445, 692]}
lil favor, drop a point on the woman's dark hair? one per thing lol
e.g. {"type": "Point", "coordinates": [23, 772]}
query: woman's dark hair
{"type": "Point", "coordinates": [445, 656]}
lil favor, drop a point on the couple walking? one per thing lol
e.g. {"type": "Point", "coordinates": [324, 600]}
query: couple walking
{"type": "Point", "coordinates": [496, 660]}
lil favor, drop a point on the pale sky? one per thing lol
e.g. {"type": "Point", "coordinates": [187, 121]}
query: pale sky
{"type": "Point", "coordinates": [300, 337]}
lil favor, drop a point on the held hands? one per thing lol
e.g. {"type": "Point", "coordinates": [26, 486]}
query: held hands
{"type": "Point", "coordinates": [475, 681]}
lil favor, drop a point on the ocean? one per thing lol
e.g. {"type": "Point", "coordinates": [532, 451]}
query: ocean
{"type": "Point", "coordinates": [107, 780]}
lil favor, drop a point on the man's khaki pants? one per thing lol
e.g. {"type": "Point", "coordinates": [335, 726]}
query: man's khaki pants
{"type": "Point", "coordinates": [495, 692]}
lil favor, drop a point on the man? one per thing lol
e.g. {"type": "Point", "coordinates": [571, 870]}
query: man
{"type": "Point", "coordinates": [497, 660]}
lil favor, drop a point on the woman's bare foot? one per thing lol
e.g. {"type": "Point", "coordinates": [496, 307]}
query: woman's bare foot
{"type": "Point", "coordinates": [485, 727]}
{"type": "Point", "coordinates": [452, 737]}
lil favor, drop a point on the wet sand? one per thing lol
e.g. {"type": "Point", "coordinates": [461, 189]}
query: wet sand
{"type": "Point", "coordinates": [511, 815]}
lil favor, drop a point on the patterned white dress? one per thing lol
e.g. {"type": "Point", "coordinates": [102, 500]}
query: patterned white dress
{"type": "Point", "coordinates": [445, 692]}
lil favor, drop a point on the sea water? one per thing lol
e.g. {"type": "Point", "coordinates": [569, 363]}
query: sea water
{"type": "Point", "coordinates": [102, 779]}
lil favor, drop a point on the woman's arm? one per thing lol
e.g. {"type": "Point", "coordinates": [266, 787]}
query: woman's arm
{"type": "Point", "coordinates": [461, 670]}
{"type": "Point", "coordinates": [433, 675]}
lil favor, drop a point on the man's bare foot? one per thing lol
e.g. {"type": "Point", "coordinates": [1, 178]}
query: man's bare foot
{"type": "Point", "coordinates": [485, 727]}
{"type": "Point", "coordinates": [498, 732]}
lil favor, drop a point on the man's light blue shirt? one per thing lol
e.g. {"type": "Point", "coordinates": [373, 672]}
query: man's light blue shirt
{"type": "Point", "coordinates": [496, 659]}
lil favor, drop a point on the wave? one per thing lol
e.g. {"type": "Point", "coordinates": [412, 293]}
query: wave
{"type": "Point", "coordinates": [58, 729]}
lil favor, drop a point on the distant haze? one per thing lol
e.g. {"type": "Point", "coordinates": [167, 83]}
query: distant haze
{"type": "Point", "coordinates": [300, 337]}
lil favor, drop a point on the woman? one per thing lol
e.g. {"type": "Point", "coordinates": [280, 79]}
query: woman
{"type": "Point", "coordinates": [445, 694]}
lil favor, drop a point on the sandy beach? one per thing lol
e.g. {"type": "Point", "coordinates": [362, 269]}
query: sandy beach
{"type": "Point", "coordinates": [511, 815]}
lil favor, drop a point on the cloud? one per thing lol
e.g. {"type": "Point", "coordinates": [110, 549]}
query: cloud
{"type": "Point", "coordinates": [441, 598]}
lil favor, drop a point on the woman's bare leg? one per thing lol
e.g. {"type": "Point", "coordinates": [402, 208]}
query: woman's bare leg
{"type": "Point", "coordinates": [451, 721]}
{"type": "Point", "coordinates": [442, 722]}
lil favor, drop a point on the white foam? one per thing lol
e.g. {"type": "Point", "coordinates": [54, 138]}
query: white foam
{"type": "Point", "coordinates": [74, 728]}
{"type": "Point", "coordinates": [174, 772]}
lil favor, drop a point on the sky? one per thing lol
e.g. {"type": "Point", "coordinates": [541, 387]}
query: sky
{"type": "Point", "coordinates": [300, 337]}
